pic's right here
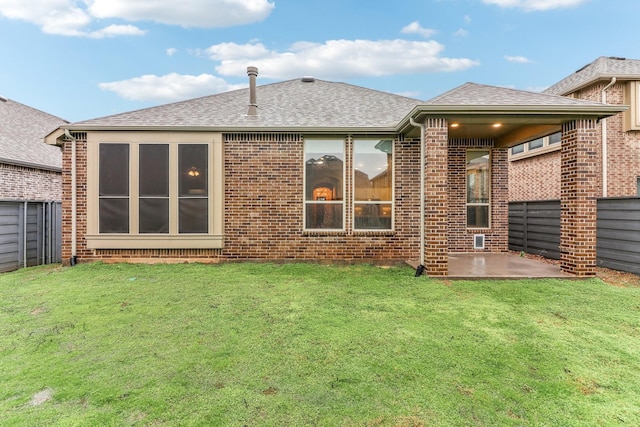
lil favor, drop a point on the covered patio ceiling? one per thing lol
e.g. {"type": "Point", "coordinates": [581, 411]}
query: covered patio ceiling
{"type": "Point", "coordinates": [507, 125]}
{"type": "Point", "coordinates": [508, 116]}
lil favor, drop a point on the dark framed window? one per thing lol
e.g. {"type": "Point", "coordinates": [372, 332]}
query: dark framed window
{"type": "Point", "coordinates": [113, 198]}
{"type": "Point", "coordinates": [193, 200]}
{"type": "Point", "coordinates": [152, 200]}
{"type": "Point", "coordinates": [153, 216]}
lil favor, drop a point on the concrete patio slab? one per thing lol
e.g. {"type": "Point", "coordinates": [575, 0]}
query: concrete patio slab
{"type": "Point", "coordinates": [499, 266]}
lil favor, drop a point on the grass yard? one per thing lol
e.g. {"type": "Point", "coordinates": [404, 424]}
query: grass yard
{"type": "Point", "coordinates": [305, 345]}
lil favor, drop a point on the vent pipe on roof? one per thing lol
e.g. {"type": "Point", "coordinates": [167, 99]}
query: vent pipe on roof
{"type": "Point", "coordinates": [3, 99]}
{"type": "Point", "coordinates": [252, 72]}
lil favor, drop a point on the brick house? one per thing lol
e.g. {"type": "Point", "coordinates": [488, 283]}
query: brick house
{"type": "Point", "coordinates": [308, 169]}
{"type": "Point", "coordinates": [29, 169]}
{"type": "Point", "coordinates": [535, 167]}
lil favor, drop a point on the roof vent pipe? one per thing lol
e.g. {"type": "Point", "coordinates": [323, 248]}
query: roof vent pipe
{"type": "Point", "coordinates": [3, 99]}
{"type": "Point", "coordinates": [252, 72]}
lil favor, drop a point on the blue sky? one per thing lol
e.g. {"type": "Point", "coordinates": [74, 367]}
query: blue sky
{"type": "Point", "coordinates": [81, 59]}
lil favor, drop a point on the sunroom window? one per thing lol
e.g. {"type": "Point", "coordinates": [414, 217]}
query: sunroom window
{"type": "Point", "coordinates": [373, 184]}
{"type": "Point", "coordinates": [161, 190]}
{"type": "Point", "coordinates": [114, 188]}
{"type": "Point", "coordinates": [153, 188]}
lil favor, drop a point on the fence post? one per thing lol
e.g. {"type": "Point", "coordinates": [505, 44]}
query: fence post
{"type": "Point", "coordinates": [525, 221]}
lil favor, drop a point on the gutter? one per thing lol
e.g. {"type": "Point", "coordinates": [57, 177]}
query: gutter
{"type": "Point", "coordinates": [31, 165]}
{"type": "Point", "coordinates": [605, 154]}
{"type": "Point", "coordinates": [420, 268]}
{"type": "Point", "coordinates": [74, 250]}
{"type": "Point", "coordinates": [382, 130]}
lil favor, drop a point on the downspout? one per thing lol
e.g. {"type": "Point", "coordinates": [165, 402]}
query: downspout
{"type": "Point", "coordinates": [420, 268]}
{"type": "Point", "coordinates": [74, 255]}
{"type": "Point", "coordinates": [605, 154]}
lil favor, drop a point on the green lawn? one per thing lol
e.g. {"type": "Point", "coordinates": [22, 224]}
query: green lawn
{"type": "Point", "coordinates": [304, 345]}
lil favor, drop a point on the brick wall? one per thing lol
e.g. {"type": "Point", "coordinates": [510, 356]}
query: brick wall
{"type": "Point", "coordinates": [264, 207]}
{"type": "Point", "coordinates": [437, 197]}
{"type": "Point", "coordinates": [460, 237]}
{"type": "Point", "coordinates": [538, 177]}
{"type": "Point", "coordinates": [24, 183]}
{"type": "Point", "coordinates": [535, 178]}
{"type": "Point", "coordinates": [578, 203]}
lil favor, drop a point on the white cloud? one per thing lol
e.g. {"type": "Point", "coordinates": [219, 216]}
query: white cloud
{"type": "Point", "coordinates": [171, 51]}
{"type": "Point", "coordinates": [187, 13]}
{"type": "Point", "coordinates": [461, 33]}
{"type": "Point", "coordinates": [531, 5]}
{"type": "Point", "coordinates": [232, 51]}
{"type": "Point", "coordinates": [517, 59]}
{"type": "Point", "coordinates": [167, 88]}
{"type": "Point", "coordinates": [415, 28]}
{"type": "Point", "coordinates": [467, 19]}
{"type": "Point", "coordinates": [337, 59]}
{"type": "Point", "coordinates": [334, 59]}
{"type": "Point", "coordinates": [75, 17]}
{"type": "Point", "coordinates": [116, 30]}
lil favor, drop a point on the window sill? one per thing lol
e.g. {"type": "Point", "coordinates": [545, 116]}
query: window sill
{"type": "Point", "coordinates": [373, 232]}
{"type": "Point", "coordinates": [129, 241]}
{"type": "Point", "coordinates": [323, 232]}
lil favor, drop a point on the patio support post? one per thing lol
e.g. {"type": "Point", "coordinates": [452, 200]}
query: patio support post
{"type": "Point", "coordinates": [578, 193]}
{"type": "Point", "coordinates": [437, 197]}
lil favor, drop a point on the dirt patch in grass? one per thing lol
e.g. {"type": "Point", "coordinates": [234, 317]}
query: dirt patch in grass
{"type": "Point", "coordinates": [612, 277]}
{"type": "Point", "coordinates": [618, 278]}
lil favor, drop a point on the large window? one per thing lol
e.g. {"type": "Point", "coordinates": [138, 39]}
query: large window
{"type": "Point", "coordinates": [478, 188]}
{"type": "Point", "coordinates": [324, 184]}
{"type": "Point", "coordinates": [326, 181]}
{"type": "Point", "coordinates": [154, 191]}
{"type": "Point", "coordinates": [114, 188]}
{"type": "Point", "coordinates": [154, 188]}
{"type": "Point", "coordinates": [373, 184]}
{"type": "Point", "coordinates": [193, 193]}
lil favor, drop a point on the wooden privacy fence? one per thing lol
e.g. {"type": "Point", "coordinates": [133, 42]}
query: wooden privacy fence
{"type": "Point", "coordinates": [30, 234]}
{"type": "Point", "coordinates": [534, 227]}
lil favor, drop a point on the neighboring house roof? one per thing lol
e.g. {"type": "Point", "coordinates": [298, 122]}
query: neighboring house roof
{"type": "Point", "coordinates": [22, 132]}
{"type": "Point", "coordinates": [603, 68]}
{"type": "Point", "coordinates": [290, 105]}
{"type": "Point", "coordinates": [473, 94]}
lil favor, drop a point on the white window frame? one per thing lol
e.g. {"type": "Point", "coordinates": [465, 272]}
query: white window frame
{"type": "Point", "coordinates": [546, 147]}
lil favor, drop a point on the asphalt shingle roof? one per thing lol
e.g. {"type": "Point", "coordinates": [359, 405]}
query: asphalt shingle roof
{"type": "Point", "coordinates": [484, 95]}
{"type": "Point", "coordinates": [602, 68]}
{"type": "Point", "coordinates": [22, 132]}
{"type": "Point", "coordinates": [289, 104]}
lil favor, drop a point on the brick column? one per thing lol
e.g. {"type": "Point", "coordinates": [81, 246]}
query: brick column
{"type": "Point", "coordinates": [437, 197]}
{"type": "Point", "coordinates": [578, 193]}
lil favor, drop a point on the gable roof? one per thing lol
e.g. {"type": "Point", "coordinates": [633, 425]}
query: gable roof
{"type": "Point", "coordinates": [294, 105]}
{"type": "Point", "coordinates": [22, 132]}
{"type": "Point", "coordinates": [603, 68]}
{"type": "Point", "coordinates": [518, 115]}
{"type": "Point", "coordinates": [475, 94]}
